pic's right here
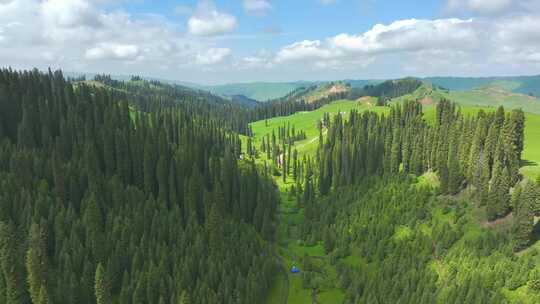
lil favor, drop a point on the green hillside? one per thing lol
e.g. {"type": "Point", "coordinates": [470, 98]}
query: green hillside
{"type": "Point", "coordinates": [292, 216]}
{"type": "Point", "coordinates": [488, 96]}
{"type": "Point", "coordinates": [307, 121]}
{"type": "Point", "coordinates": [528, 85]}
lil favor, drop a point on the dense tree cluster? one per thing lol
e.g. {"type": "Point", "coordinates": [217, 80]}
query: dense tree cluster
{"type": "Point", "coordinates": [395, 242]}
{"type": "Point", "coordinates": [152, 95]}
{"type": "Point", "coordinates": [386, 90]}
{"type": "Point", "coordinates": [481, 151]}
{"type": "Point", "coordinates": [100, 201]}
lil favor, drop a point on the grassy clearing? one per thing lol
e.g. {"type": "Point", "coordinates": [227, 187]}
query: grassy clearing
{"type": "Point", "coordinates": [307, 121]}
{"type": "Point", "coordinates": [494, 97]}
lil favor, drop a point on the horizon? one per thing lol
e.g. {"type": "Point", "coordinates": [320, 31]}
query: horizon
{"type": "Point", "coordinates": [223, 42]}
{"type": "Point", "coordinates": [180, 81]}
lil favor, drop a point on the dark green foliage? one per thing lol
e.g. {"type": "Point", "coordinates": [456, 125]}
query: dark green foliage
{"type": "Point", "coordinates": [489, 161]}
{"type": "Point", "coordinates": [124, 193]}
{"type": "Point", "coordinates": [37, 264]}
{"type": "Point", "coordinates": [524, 201]}
{"type": "Point", "coordinates": [12, 269]}
{"type": "Point", "coordinates": [387, 90]}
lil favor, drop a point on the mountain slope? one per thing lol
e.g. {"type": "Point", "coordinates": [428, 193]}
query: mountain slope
{"type": "Point", "coordinates": [487, 96]}
{"type": "Point", "coordinates": [529, 85]}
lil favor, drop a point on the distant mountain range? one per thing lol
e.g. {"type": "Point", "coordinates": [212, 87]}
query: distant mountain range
{"type": "Point", "coordinates": [251, 93]}
{"type": "Point", "coordinates": [529, 85]}
{"type": "Point", "coordinates": [263, 91]}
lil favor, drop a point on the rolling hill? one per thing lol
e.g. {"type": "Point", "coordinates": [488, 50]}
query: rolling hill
{"type": "Point", "coordinates": [486, 96]}
{"type": "Point", "coordinates": [529, 85]}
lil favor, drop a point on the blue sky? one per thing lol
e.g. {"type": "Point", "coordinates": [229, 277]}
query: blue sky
{"type": "Point", "coordinates": [297, 19]}
{"type": "Point", "coordinates": [217, 41]}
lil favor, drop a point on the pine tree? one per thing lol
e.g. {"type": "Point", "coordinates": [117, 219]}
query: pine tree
{"type": "Point", "coordinates": [523, 216]}
{"type": "Point", "coordinates": [26, 136]}
{"type": "Point", "coordinates": [215, 226]}
{"type": "Point", "coordinates": [101, 286]}
{"type": "Point", "coordinates": [184, 298]}
{"type": "Point", "coordinates": [43, 296]}
{"type": "Point", "coordinates": [15, 291]}
{"type": "Point", "coordinates": [36, 263]}
{"type": "Point", "coordinates": [499, 197]}
{"type": "Point", "coordinates": [395, 158]}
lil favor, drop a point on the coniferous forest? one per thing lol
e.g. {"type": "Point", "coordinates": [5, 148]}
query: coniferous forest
{"type": "Point", "coordinates": [108, 199]}
{"type": "Point", "coordinates": [143, 192]}
{"type": "Point", "coordinates": [269, 152]}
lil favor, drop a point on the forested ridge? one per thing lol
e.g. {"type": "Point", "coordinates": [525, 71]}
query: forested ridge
{"type": "Point", "coordinates": [108, 198]}
{"type": "Point", "coordinates": [149, 95]}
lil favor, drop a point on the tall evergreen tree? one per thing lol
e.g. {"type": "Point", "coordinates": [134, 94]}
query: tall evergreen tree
{"type": "Point", "coordinates": [37, 264]}
{"type": "Point", "coordinates": [101, 287]}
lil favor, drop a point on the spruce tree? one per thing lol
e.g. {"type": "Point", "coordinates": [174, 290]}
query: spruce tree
{"type": "Point", "coordinates": [102, 287]}
{"type": "Point", "coordinates": [523, 217]}
{"type": "Point", "coordinates": [215, 225]}
{"type": "Point", "coordinates": [15, 290]}
{"type": "Point", "coordinates": [36, 263]}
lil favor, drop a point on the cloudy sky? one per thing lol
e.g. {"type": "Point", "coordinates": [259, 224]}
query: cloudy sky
{"type": "Point", "coordinates": [223, 41]}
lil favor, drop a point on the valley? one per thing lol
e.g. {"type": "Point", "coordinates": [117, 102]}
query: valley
{"type": "Point", "coordinates": [295, 250]}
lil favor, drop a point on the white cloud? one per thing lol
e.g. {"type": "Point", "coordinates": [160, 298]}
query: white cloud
{"type": "Point", "coordinates": [257, 7]}
{"type": "Point", "coordinates": [451, 46]}
{"type": "Point", "coordinates": [400, 36]}
{"type": "Point", "coordinates": [213, 56]}
{"type": "Point", "coordinates": [410, 35]}
{"type": "Point", "coordinates": [91, 36]}
{"type": "Point", "coordinates": [113, 51]}
{"type": "Point", "coordinates": [69, 13]}
{"type": "Point", "coordinates": [208, 21]}
{"type": "Point", "coordinates": [82, 35]}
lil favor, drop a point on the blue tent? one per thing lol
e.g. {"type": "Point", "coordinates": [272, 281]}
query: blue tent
{"type": "Point", "coordinates": [295, 269]}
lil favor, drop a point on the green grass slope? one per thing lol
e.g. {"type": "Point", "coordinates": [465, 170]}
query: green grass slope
{"type": "Point", "coordinates": [307, 121]}
{"type": "Point", "coordinates": [529, 85]}
{"type": "Point", "coordinates": [488, 96]}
